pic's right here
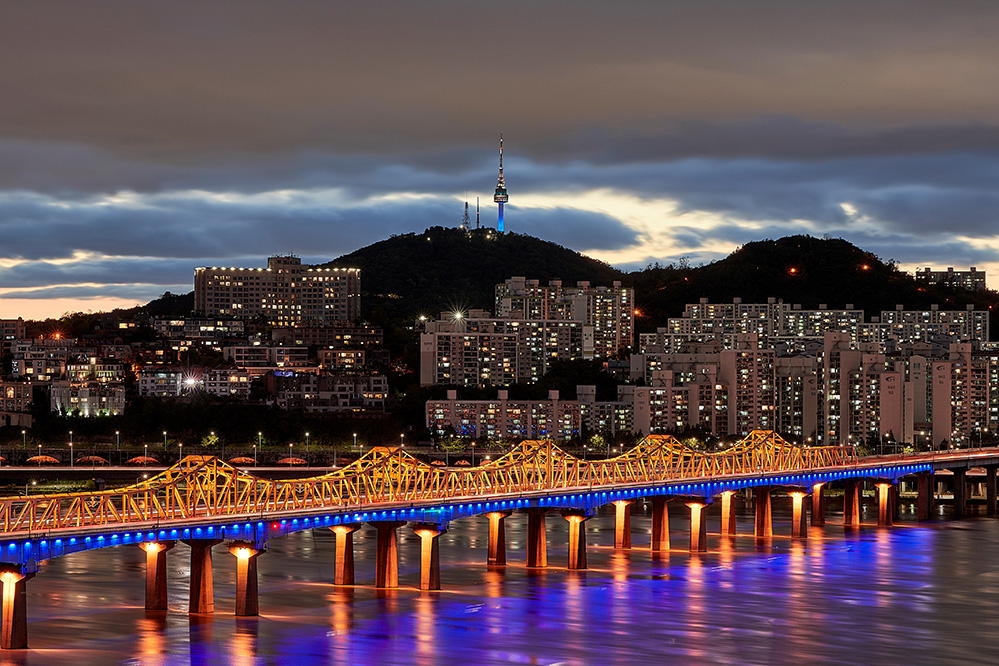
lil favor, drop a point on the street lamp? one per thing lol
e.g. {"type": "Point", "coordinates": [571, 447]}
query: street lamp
{"type": "Point", "coordinates": [33, 482]}
{"type": "Point", "coordinates": [402, 439]}
{"type": "Point", "coordinates": [473, 453]}
{"type": "Point", "coordinates": [254, 455]}
{"type": "Point", "coordinates": [24, 438]}
{"type": "Point", "coordinates": [117, 445]}
{"type": "Point", "coordinates": [164, 439]}
{"type": "Point", "coordinates": [355, 442]}
{"type": "Point", "coordinates": [180, 449]}
{"type": "Point", "coordinates": [39, 455]}
{"type": "Point", "coordinates": [71, 463]}
{"type": "Point", "coordinates": [290, 444]}
{"type": "Point", "coordinates": [307, 444]}
{"type": "Point", "coordinates": [145, 453]}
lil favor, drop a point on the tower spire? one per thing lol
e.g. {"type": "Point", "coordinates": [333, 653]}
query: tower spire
{"type": "Point", "coordinates": [500, 196]}
{"type": "Point", "coordinates": [476, 212]}
{"type": "Point", "coordinates": [466, 223]}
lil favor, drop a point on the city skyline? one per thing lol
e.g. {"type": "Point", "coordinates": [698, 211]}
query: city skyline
{"type": "Point", "coordinates": [138, 142]}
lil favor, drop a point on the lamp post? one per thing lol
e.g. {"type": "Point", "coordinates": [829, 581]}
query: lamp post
{"type": "Point", "coordinates": [473, 453]}
{"type": "Point", "coordinates": [290, 444]}
{"type": "Point", "coordinates": [39, 455]}
{"type": "Point", "coordinates": [164, 439]}
{"type": "Point", "coordinates": [71, 463]}
{"type": "Point", "coordinates": [117, 445]}
{"type": "Point", "coordinates": [355, 442]}
{"type": "Point", "coordinates": [254, 455]}
{"type": "Point", "coordinates": [24, 438]}
{"type": "Point", "coordinates": [402, 439]}
{"type": "Point", "coordinates": [180, 449]}
{"type": "Point", "coordinates": [307, 443]}
{"type": "Point", "coordinates": [145, 454]}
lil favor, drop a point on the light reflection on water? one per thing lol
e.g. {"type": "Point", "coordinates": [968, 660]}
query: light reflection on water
{"type": "Point", "coordinates": [915, 594]}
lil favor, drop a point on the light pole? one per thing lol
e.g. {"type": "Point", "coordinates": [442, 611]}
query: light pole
{"type": "Point", "coordinates": [24, 438]}
{"type": "Point", "coordinates": [290, 444]}
{"type": "Point", "coordinates": [164, 439]}
{"type": "Point", "coordinates": [39, 455]}
{"type": "Point", "coordinates": [254, 455]}
{"type": "Point", "coordinates": [71, 463]}
{"type": "Point", "coordinates": [355, 442]}
{"type": "Point", "coordinates": [473, 453]}
{"type": "Point", "coordinates": [307, 443]}
{"type": "Point", "coordinates": [180, 449]}
{"type": "Point", "coordinates": [117, 445]}
{"type": "Point", "coordinates": [402, 439]}
{"type": "Point", "coordinates": [145, 454]}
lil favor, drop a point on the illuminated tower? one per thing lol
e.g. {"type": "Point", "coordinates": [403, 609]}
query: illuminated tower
{"type": "Point", "coordinates": [466, 223]}
{"type": "Point", "coordinates": [500, 197]}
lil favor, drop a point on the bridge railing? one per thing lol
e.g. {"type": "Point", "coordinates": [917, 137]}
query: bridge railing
{"type": "Point", "coordinates": [200, 486]}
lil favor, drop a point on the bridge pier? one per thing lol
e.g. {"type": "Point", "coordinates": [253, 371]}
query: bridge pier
{"type": "Point", "coordinates": [727, 513]}
{"type": "Point", "coordinates": [698, 527]}
{"type": "Point", "coordinates": [764, 512]}
{"type": "Point", "coordinates": [430, 555]}
{"type": "Point", "coordinates": [202, 597]}
{"type": "Point", "coordinates": [343, 566]}
{"type": "Point", "coordinates": [577, 537]}
{"type": "Point", "coordinates": [247, 599]}
{"type": "Point", "coordinates": [497, 537]}
{"type": "Point", "coordinates": [818, 504]}
{"type": "Point", "coordinates": [660, 524]}
{"type": "Point", "coordinates": [156, 575]}
{"type": "Point", "coordinates": [537, 547]}
{"type": "Point", "coordinates": [799, 525]}
{"type": "Point", "coordinates": [622, 524]}
{"type": "Point", "coordinates": [960, 492]}
{"type": "Point", "coordinates": [990, 489]}
{"type": "Point", "coordinates": [924, 495]}
{"type": "Point", "coordinates": [387, 553]}
{"type": "Point", "coordinates": [851, 503]}
{"type": "Point", "coordinates": [886, 512]}
{"type": "Point", "coordinates": [14, 623]}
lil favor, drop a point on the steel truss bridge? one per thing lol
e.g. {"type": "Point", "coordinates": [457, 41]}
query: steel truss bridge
{"type": "Point", "coordinates": [202, 496]}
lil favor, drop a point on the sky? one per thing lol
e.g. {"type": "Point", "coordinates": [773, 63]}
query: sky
{"type": "Point", "coordinates": [141, 139]}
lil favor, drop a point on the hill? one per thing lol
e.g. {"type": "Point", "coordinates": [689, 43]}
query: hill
{"type": "Point", "coordinates": [797, 269]}
{"type": "Point", "coordinates": [446, 268]}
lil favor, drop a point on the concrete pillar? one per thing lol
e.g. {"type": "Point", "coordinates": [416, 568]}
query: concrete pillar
{"type": "Point", "coordinates": [764, 513]}
{"type": "Point", "coordinates": [497, 537]}
{"type": "Point", "coordinates": [247, 604]}
{"type": "Point", "coordinates": [818, 504]}
{"type": "Point", "coordinates": [990, 489]}
{"type": "Point", "coordinates": [660, 524]}
{"type": "Point", "coordinates": [387, 553]}
{"type": "Point", "coordinates": [885, 512]}
{"type": "Point", "coordinates": [960, 492]}
{"type": "Point", "coordinates": [430, 555]}
{"type": "Point", "coordinates": [698, 527]}
{"type": "Point", "coordinates": [343, 566]}
{"type": "Point", "coordinates": [202, 597]}
{"type": "Point", "coordinates": [537, 548]}
{"type": "Point", "coordinates": [577, 538]}
{"type": "Point", "coordinates": [14, 624]}
{"type": "Point", "coordinates": [727, 513]}
{"type": "Point", "coordinates": [924, 496]}
{"type": "Point", "coordinates": [156, 578]}
{"type": "Point", "coordinates": [851, 503]}
{"type": "Point", "coordinates": [622, 524]}
{"type": "Point", "coordinates": [799, 526]}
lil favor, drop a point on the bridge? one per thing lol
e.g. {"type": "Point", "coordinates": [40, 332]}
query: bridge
{"type": "Point", "coordinates": [203, 501]}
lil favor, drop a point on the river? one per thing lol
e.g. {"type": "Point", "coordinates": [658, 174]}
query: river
{"type": "Point", "coordinates": [914, 594]}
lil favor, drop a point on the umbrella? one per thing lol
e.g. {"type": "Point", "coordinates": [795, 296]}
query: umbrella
{"type": "Point", "coordinates": [291, 461]}
{"type": "Point", "coordinates": [47, 460]}
{"type": "Point", "coordinates": [242, 460]}
{"type": "Point", "coordinates": [143, 460]}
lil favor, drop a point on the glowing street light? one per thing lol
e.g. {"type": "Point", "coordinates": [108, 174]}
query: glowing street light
{"type": "Point", "coordinates": [71, 462]}
{"type": "Point", "coordinates": [39, 455]}
{"type": "Point", "coordinates": [307, 443]}
{"type": "Point", "coordinates": [254, 455]}
{"type": "Point", "coordinates": [24, 438]}
{"type": "Point", "coordinates": [355, 442]}
{"type": "Point", "coordinates": [164, 439]}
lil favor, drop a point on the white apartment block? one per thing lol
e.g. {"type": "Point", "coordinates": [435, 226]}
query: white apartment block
{"type": "Point", "coordinates": [776, 323]}
{"type": "Point", "coordinates": [503, 418]}
{"type": "Point", "coordinates": [161, 382]}
{"type": "Point", "coordinates": [218, 328]}
{"type": "Point", "coordinates": [610, 311]}
{"type": "Point", "coordinates": [89, 399]}
{"type": "Point", "coordinates": [972, 279]}
{"type": "Point", "coordinates": [479, 350]}
{"type": "Point", "coordinates": [286, 293]}
{"type": "Point", "coordinates": [225, 383]}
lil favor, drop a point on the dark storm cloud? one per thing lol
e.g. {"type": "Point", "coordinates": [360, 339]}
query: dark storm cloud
{"type": "Point", "coordinates": [169, 135]}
